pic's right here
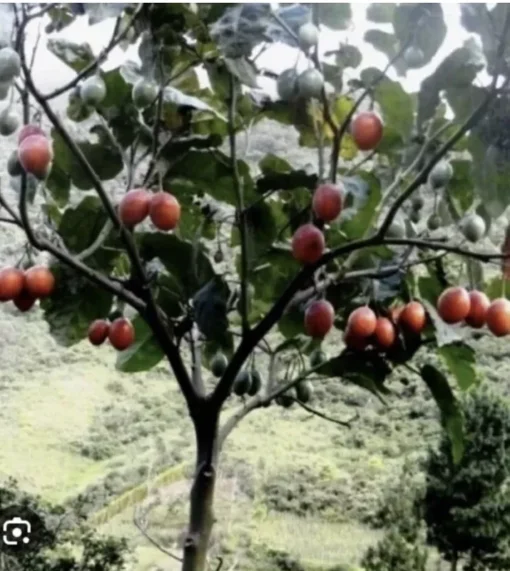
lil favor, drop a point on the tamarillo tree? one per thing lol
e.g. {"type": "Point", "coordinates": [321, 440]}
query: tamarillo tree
{"type": "Point", "coordinates": [202, 254]}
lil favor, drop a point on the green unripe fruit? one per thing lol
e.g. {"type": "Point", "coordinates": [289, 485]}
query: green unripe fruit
{"type": "Point", "coordinates": [434, 222]}
{"type": "Point", "coordinates": [414, 57]}
{"type": "Point", "coordinates": [396, 230]}
{"type": "Point", "coordinates": [417, 203]}
{"type": "Point", "coordinates": [286, 85]}
{"type": "Point", "coordinates": [310, 83]}
{"type": "Point", "coordinates": [308, 36]}
{"type": "Point", "coordinates": [10, 64]}
{"type": "Point", "coordinates": [9, 122]}
{"type": "Point", "coordinates": [256, 383]}
{"type": "Point", "coordinates": [14, 167]}
{"type": "Point", "coordinates": [441, 174]}
{"type": "Point", "coordinates": [286, 400]}
{"type": "Point", "coordinates": [219, 364]}
{"type": "Point", "coordinates": [414, 216]}
{"type": "Point", "coordinates": [93, 91]}
{"type": "Point", "coordinates": [218, 256]}
{"type": "Point", "coordinates": [304, 391]}
{"type": "Point", "coordinates": [144, 93]}
{"type": "Point", "coordinates": [242, 383]}
{"type": "Point", "coordinates": [473, 227]}
{"type": "Point", "coordinates": [317, 358]}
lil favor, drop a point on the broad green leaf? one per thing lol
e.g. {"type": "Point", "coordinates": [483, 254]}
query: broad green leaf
{"type": "Point", "coordinates": [421, 23]}
{"type": "Point", "coordinates": [295, 179]}
{"type": "Point", "coordinates": [210, 310]}
{"type": "Point", "coordinates": [458, 70]}
{"type": "Point", "coordinates": [335, 16]}
{"type": "Point", "coordinates": [76, 56]}
{"type": "Point", "coordinates": [75, 303]}
{"type": "Point", "coordinates": [273, 164]}
{"type": "Point", "coordinates": [76, 110]}
{"type": "Point", "coordinates": [460, 188]}
{"type": "Point", "coordinates": [383, 42]}
{"type": "Point", "coordinates": [104, 157]}
{"type": "Point", "coordinates": [464, 100]}
{"type": "Point", "coordinates": [272, 275]}
{"type": "Point", "coordinates": [396, 104]}
{"type": "Point", "coordinates": [381, 13]}
{"type": "Point", "coordinates": [348, 56]}
{"type": "Point", "coordinates": [461, 361]}
{"type": "Point", "coordinates": [144, 354]}
{"type": "Point", "coordinates": [191, 269]}
{"type": "Point", "coordinates": [368, 373]}
{"type": "Point", "coordinates": [291, 323]}
{"type": "Point", "coordinates": [451, 414]}
{"type": "Point", "coordinates": [497, 288]}
{"type": "Point", "coordinates": [244, 70]}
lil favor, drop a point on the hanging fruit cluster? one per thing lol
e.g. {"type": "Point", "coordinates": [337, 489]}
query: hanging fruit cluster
{"type": "Point", "coordinates": [24, 288]}
{"type": "Point", "coordinates": [162, 208]}
{"type": "Point", "coordinates": [120, 333]}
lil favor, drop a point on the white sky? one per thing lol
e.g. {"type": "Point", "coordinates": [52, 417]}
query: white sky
{"type": "Point", "coordinates": [49, 72]}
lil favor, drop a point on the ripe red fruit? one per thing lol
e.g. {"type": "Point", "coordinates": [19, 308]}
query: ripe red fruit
{"type": "Point", "coordinates": [319, 318]}
{"type": "Point", "coordinates": [413, 318]}
{"type": "Point", "coordinates": [355, 342]}
{"type": "Point", "coordinates": [28, 130]}
{"type": "Point", "coordinates": [24, 302]}
{"type": "Point", "coordinates": [35, 155]}
{"type": "Point", "coordinates": [478, 313]}
{"type": "Point", "coordinates": [98, 331]}
{"type": "Point", "coordinates": [165, 211]}
{"type": "Point", "coordinates": [12, 281]}
{"type": "Point", "coordinates": [362, 322]}
{"type": "Point", "coordinates": [134, 207]}
{"type": "Point", "coordinates": [453, 304]}
{"type": "Point", "coordinates": [327, 202]}
{"type": "Point", "coordinates": [39, 281]}
{"type": "Point", "coordinates": [308, 244]}
{"type": "Point", "coordinates": [498, 317]}
{"type": "Point", "coordinates": [121, 333]}
{"type": "Point", "coordinates": [384, 333]}
{"type": "Point", "coordinates": [367, 130]}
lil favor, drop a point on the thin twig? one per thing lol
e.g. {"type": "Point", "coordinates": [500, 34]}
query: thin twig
{"type": "Point", "coordinates": [313, 411]}
{"type": "Point", "coordinates": [114, 41]}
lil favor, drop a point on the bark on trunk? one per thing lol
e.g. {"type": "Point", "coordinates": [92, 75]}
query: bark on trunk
{"type": "Point", "coordinates": [201, 517]}
{"type": "Point", "coordinates": [454, 562]}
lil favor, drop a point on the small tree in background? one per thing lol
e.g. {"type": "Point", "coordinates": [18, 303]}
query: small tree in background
{"type": "Point", "coordinates": [467, 505]}
{"type": "Point", "coordinates": [210, 265]}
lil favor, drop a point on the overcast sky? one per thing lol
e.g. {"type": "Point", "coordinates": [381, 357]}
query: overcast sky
{"type": "Point", "coordinates": [50, 72]}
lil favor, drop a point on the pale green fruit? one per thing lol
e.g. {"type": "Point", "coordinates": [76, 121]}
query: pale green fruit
{"type": "Point", "coordinates": [10, 64]}
{"type": "Point", "coordinates": [5, 87]}
{"type": "Point", "coordinates": [414, 216]}
{"type": "Point", "coordinates": [473, 227]}
{"type": "Point", "coordinates": [286, 85]}
{"type": "Point", "coordinates": [434, 222]}
{"type": "Point", "coordinates": [414, 57]}
{"type": "Point", "coordinates": [396, 230]}
{"type": "Point", "coordinates": [9, 122]}
{"type": "Point", "coordinates": [144, 93]}
{"type": "Point", "coordinates": [441, 174]}
{"type": "Point", "coordinates": [308, 36]}
{"type": "Point", "coordinates": [418, 203]}
{"type": "Point", "coordinates": [310, 83]}
{"type": "Point", "coordinates": [93, 90]}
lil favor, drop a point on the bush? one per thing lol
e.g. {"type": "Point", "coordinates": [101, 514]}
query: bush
{"type": "Point", "coordinates": [395, 553]}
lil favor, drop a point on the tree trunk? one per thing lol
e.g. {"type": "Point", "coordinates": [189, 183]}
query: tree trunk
{"type": "Point", "coordinates": [454, 562]}
{"type": "Point", "coordinates": [201, 516]}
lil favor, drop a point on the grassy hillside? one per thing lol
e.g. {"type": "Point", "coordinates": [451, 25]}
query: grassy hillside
{"type": "Point", "coordinates": [71, 424]}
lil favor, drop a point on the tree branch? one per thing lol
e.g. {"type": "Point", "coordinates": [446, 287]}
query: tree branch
{"type": "Point", "coordinates": [241, 213]}
{"type": "Point", "coordinates": [196, 363]}
{"type": "Point", "coordinates": [114, 41]}
{"type": "Point", "coordinates": [345, 423]}
{"type": "Point", "coordinates": [151, 313]}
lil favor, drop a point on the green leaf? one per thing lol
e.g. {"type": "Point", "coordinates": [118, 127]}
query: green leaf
{"type": "Point", "coordinates": [458, 70]}
{"type": "Point", "coordinates": [397, 105]}
{"type": "Point", "coordinates": [272, 274]}
{"type": "Point", "coordinates": [144, 354]}
{"type": "Point", "coordinates": [76, 56]}
{"type": "Point", "coordinates": [291, 323]}
{"type": "Point", "coordinates": [368, 373]}
{"type": "Point", "coordinates": [75, 303]}
{"type": "Point", "coordinates": [335, 16]}
{"type": "Point", "coordinates": [460, 188]}
{"type": "Point", "coordinates": [348, 56]}
{"type": "Point", "coordinates": [381, 13]}
{"type": "Point", "coordinates": [495, 287]}
{"type": "Point", "coordinates": [451, 414]}
{"type": "Point", "coordinates": [273, 164]}
{"type": "Point", "coordinates": [421, 23]}
{"type": "Point", "coordinates": [78, 111]}
{"type": "Point", "coordinates": [461, 361]}
{"type": "Point", "coordinates": [383, 42]}
{"type": "Point", "coordinates": [244, 70]}
{"type": "Point", "coordinates": [104, 157]}
{"type": "Point", "coordinates": [190, 268]}
{"type": "Point", "coordinates": [286, 181]}
{"type": "Point", "coordinates": [464, 100]}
